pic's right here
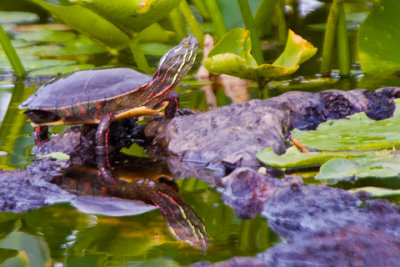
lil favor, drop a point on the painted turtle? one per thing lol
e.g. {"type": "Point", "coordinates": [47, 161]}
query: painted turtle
{"type": "Point", "coordinates": [100, 96]}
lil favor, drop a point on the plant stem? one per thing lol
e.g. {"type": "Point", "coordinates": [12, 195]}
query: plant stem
{"type": "Point", "coordinates": [11, 54]}
{"type": "Point", "coordinates": [281, 21]}
{"type": "Point", "coordinates": [343, 43]}
{"type": "Point", "coordinates": [329, 37]}
{"type": "Point", "coordinates": [175, 17]}
{"type": "Point", "coordinates": [202, 8]}
{"type": "Point", "coordinates": [191, 20]}
{"type": "Point", "coordinates": [249, 23]}
{"type": "Point", "coordinates": [138, 54]}
{"type": "Point", "coordinates": [217, 18]}
{"type": "Point", "coordinates": [263, 17]}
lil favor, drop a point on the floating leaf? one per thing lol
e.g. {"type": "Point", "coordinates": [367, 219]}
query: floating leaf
{"type": "Point", "coordinates": [385, 163]}
{"type": "Point", "coordinates": [365, 133]}
{"type": "Point", "coordinates": [376, 191]}
{"type": "Point", "coordinates": [231, 55]}
{"type": "Point", "coordinates": [61, 69]}
{"type": "Point", "coordinates": [7, 17]}
{"type": "Point", "coordinates": [93, 25]}
{"type": "Point", "coordinates": [293, 158]}
{"type": "Point", "coordinates": [56, 155]}
{"type": "Point", "coordinates": [46, 36]}
{"type": "Point", "coordinates": [379, 39]}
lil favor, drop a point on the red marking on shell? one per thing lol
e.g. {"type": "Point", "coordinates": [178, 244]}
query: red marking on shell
{"type": "Point", "coordinates": [103, 191]}
{"type": "Point", "coordinates": [86, 187]}
{"type": "Point", "coordinates": [67, 113]}
{"type": "Point", "coordinates": [98, 105]}
{"type": "Point", "coordinates": [82, 110]}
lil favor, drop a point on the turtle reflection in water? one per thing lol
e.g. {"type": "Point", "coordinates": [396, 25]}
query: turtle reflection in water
{"type": "Point", "coordinates": [131, 194]}
{"type": "Point", "coordinates": [101, 96]}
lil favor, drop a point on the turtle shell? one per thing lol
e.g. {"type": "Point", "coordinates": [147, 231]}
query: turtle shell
{"type": "Point", "coordinates": [85, 87]}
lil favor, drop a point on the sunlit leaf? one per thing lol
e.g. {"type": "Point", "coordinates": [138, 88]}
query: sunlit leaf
{"type": "Point", "coordinates": [135, 150]}
{"type": "Point", "coordinates": [376, 191]}
{"type": "Point", "coordinates": [232, 56]}
{"type": "Point", "coordinates": [379, 39]}
{"type": "Point", "coordinates": [93, 25]}
{"type": "Point", "coordinates": [56, 155]}
{"type": "Point", "coordinates": [293, 158]}
{"type": "Point", "coordinates": [130, 16]}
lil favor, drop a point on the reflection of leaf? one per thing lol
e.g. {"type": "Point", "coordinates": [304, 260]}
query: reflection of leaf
{"type": "Point", "coordinates": [56, 155]}
{"type": "Point", "coordinates": [379, 39]}
{"type": "Point", "coordinates": [231, 55]}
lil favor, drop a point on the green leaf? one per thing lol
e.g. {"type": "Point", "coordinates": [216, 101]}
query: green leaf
{"type": "Point", "coordinates": [60, 69]}
{"type": "Point", "coordinates": [293, 158]}
{"type": "Point", "coordinates": [385, 163]}
{"type": "Point", "coordinates": [93, 25]}
{"type": "Point", "coordinates": [232, 56]}
{"type": "Point", "coordinates": [7, 17]}
{"type": "Point", "coordinates": [376, 191]}
{"type": "Point", "coordinates": [130, 16]}
{"type": "Point", "coordinates": [135, 150]}
{"type": "Point", "coordinates": [379, 39]}
{"type": "Point", "coordinates": [365, 133]}
{"type": "Point", "coordinates": [46, 36]}
{"type": "Point", "coordinates": [56, 155]}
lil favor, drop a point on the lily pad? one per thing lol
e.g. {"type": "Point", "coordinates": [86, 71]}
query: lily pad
{"type": "Point", "coordinates": [293, 158]}
{"type": "Point", "coordinates": [385, 163]}
{"type": "Point", "coordinates": [379, 39]}
{"type": "Point", "coordinates": [7, 17]}
{"type": "Point", "coordinates": [56, 155]}
{"type": "Point", "coordinates": [60, 69]}
{"type": "Point", "coordinates": [46, 36]}
{"type": "Point", "coordinates": [365, 133]}
{"type": "Point", "coordinates": [376, 191]}
{"type": "Point", "coordinates": [104, 32]}
{"type": "Point", "coordinates": [232, 56]}
{"type": "Point", "coordinates": [34, 63]}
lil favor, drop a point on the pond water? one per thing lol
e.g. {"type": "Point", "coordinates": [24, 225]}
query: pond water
{"type": "Point", "coordinates": [62, 234]}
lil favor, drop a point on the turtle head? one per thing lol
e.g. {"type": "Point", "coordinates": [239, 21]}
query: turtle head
{"type": "Point", "coordinates": [174, 65]}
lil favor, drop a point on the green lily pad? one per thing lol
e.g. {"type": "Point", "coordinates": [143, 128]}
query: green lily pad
{"type": "Point", "coordinates": [232, 56]}
{"type": "Point", "coordinates": [34, 63]}
{"type": "Point", "coordinates": [293, 158]}
{"type": "Point", "coordinates": [379, 39]}
{"type": "Point", "coordinates": [93, 25]}
{"type": "Point", "coordinates": [56, 155]}
{"type": "Point", "coordinates": [376, 191]}
{"type": "Point", "coordinates": [60, 69]}
{"type": "Point", "coordinates": [45, 36]}
{"type": "Point", "coordinates": [7, 17]}
{"type": "Point", "coordinates": [385, 163]}
{"type": "Point", "coordinates": [365, 133]}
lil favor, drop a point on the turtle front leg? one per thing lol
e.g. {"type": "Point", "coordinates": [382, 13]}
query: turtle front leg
{"type": "Point", "coordinates": [102, 147]}
{"type": "Point", "coordinates": [41, 134]}
{"type": "Point", "coordinates": [173, 105]}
